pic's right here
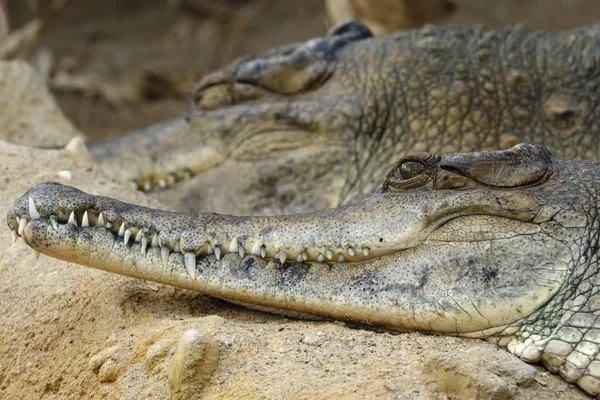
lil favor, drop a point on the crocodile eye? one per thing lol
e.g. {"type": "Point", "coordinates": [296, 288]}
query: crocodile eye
{"type": "Point", "coordinates": [409, 170]}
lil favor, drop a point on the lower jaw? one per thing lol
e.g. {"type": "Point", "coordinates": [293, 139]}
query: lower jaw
{"type": "Point", "coordinates": [373, 292]}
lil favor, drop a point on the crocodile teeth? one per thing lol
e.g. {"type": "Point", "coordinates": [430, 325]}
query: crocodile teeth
{"type": "Point", "coordinates": [177, 248]}
{"type": "Point", "coordinates": [154, 240]}
{"type": "Point", "coordinates": [217, 251]}
{"type": "Point", "coordinates": [329, 254]}
{"type": "Point", "coordinates": [139, 235]}
{"type": "Point", "coordinates": [233, 247]}
{"type": "Point", "coordinates": [351, 251]}
{"type": "Point", "coordinates": [365, 251]}
{"type": "Point", "coordinates": [14, 235]}
{"type": "Point", "coordinates": [241, 251]}
{"type": "Point", "coordinates": [209, 248]}
{"type": "Point", "coordinates": [147, 186]}
{"type": "Point", "coordinates": [144, 244]}
{"type": "Point", "coordinates": [54, 222]}
{"type": "Point", "coordinates": [171, 179]}
{"type": "Point", "coordinates": [164, 256]}
{"type": "Point", "coordinates": [341, 259]}
{"type": "Point", "coordinates": [263, 252]}
{"type": "Point", "coordinates": [109, 225]}
{"type": "Point", "coordinates": [304, 255]}
{"type": "Point", "coordinates": [33, 212]}
{"type": "Point", "coordinates": [85, 221]}
{"type": "Point", "coordinates": [133, 184]}
{"type": "Point", "coordinates": [282, 255]}
{"type": "Point", "coordinates": [122, 229]}
{"type": "Point", "coordinates": [127, 235]}
{"type": "Point", "coordinates": [162, 183]}
{"type": "Point", "coordinates": [320, 258]}
{"type": "Point", "coordinates": [22, 224]}
{"type": "Point", "coordinates": [100, 221]}
{"type": "Point", "coordinates": [255, 249]}
{"type": "Point", "coordinates": [72, 219]}
{"type": "Point", "coordinates": [190, 263]}
{"type": "Point", "coordinates": [299, 258]}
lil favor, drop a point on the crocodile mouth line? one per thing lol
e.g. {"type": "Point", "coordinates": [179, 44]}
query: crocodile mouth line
{"type": "Point", "coordinates": [148, 237]}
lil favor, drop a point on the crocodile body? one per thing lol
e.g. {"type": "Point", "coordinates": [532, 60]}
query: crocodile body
{"type": "Point", "coordinates": [315, 125]}
{"type": "Point", "coordinates": [494, 244]}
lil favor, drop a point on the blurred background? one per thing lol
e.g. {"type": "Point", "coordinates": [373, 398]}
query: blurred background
{"type": "Point", "coordinates": [118, 65]}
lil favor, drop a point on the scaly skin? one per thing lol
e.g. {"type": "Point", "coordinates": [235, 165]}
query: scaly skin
{"type": "Point", "coordinates": [494, 244]}
{"type": "Point", "coordinates": [316, 125]}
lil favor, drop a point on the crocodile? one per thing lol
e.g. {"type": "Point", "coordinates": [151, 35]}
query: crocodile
{"type": "Point", "coordinates": [500, 245]}
{"type": "Point", "coordinates": [314, 125]}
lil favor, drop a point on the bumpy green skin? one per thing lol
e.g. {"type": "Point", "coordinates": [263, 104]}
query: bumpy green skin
{"type": "Point", "coordinates": [315, 125]}
{"type": "Point", "coordinates": [501, 245]}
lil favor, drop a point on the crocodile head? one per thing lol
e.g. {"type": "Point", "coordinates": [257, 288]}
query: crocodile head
{"type": "Point", "coordinates": [464, 243]}
{"type": "Point", "coordinates": [268, 129]}
{"type": "Point", "coordinates": [316, 125]}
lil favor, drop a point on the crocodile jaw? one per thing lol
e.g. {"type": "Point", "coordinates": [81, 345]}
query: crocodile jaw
{"type": "Point", "coordinates": [415, 279]}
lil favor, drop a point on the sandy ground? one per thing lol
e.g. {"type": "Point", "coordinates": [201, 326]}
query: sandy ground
{"type": "Point", "coordinates": [70, 332]}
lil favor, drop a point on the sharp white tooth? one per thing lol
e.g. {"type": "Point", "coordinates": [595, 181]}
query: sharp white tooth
{"type": "Point", "coordinates": [320, 258]}
{"type": "Point", "coordinates": [299, 259]}
{"type": "Point", "coordinates": [190, 263]}
{"type": "Point", "coordinates": [209, 248]}
{"type": "Point", "coordinates": [263, 251]}
{"type": "Point", "coordinates": [144, 244]}
{"type": "Point", "coordinates": [164, 256]}
{"type": "Point", "coordinates": [133, 184]}
{"type": "Point", "coordinates": [171, 179]}
{"type": "Point", "coordinates": [241, 251]}
{"type": "Point", "coordinates": [14, 235]}
{"type": "Point", "coordinates": [85, 221]}
{"type": "Point", "coordinates": [366, 251]}
{"type": "Point", "coordinates": [304, 255]}
{"type": "Point", "coordinates": [54, 222]}
{"type": "Point", "coordinates": [72, 219]}
{"type": "Point", "coordinates": [341, 259]}
{"type": "Point", "coordinates": [18, 219]}
{"type": "Point", "coordinates": [255, 249]}
{"type": "Point", "coordinates": [139, 236]}
{"type": "Point", "coordinates": [36, 254]}
{"type": "Point", "coordinates": [33, 212]}
{"type": "Point", "coordinates": [233, 247]}
{"type": "Point", "coordinates": [154, 240]}
{"type": "Point", "coordinates": [282, 255]}
{"type": "Point", "coordinates": [147, 186]}
{"type": "Point", "coordinates": [328, 254]}
{"type": "Point", "coordinates": [126, 236]}
{"type": "Point", "coordinates": [351, 251]}
{"type": "Point", "coordinates": [22, 223]}
{"type": "Point", "coordinates": [177, 248]}
{"type": "Point", "coordinates": [109, 225]}
{"type": "Point", "coordinates": [100, 221]}
{"type": "Point", "coordinates": [217, 251]}
{"type": "Point", "coordinates": [162, 183]}
{"type": "Point", "coordinates": [122, 230]}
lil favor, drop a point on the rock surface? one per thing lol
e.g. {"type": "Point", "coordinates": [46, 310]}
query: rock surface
{"type": "Point", "coordinates": [28, 113]}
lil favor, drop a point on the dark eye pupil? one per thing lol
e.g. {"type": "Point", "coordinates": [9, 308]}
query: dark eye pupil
{"type": "Point", "coordinates": [409, 169]}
